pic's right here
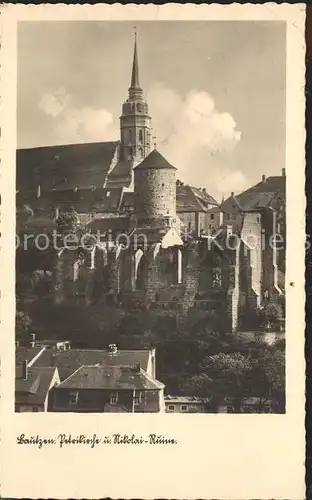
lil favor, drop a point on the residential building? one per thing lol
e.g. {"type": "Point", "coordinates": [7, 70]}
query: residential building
{"type": "Point", "coordinates": [116, 388]}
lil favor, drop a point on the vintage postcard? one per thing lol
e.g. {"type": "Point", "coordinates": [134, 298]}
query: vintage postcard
{"type": "Point", "coordinates": [153, 245]}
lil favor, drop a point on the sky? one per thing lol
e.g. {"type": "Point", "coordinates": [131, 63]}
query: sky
{"type": "Point", "coordinates": [215, 90]}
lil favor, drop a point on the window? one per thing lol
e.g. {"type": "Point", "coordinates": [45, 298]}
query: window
{"type": "Point", "coordinates": [212, 216]}
{"type": "Point", "coordinates": [140, 136]}
{"type": "Point", "coordinates": [108, 194]}
{"type": "Point", "coordinates": [138, 398]}
{"type": "Point", "coordinates": [183, 408]}
{"type": "Point", "coordinates": [114, 398]}
{"type": "Point", "coordinates": [73, 398]}
{"type": "Point", "coordinates": [171, 408]}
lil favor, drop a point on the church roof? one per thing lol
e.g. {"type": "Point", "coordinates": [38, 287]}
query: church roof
{"type": "Point", "coordinates": [82, 201]}
{"type": "Point", "coordinates": [154, 161]}
{"type": "Point", "coordinates": [64, 167]}
{"type": "Point", "coordinates": [121, 175]}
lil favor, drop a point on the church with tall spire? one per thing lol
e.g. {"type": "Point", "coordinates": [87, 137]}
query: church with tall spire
{"type": "Point", "coordinates": [127, 188]}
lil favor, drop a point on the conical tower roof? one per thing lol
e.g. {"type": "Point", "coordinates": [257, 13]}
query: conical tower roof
{"type": "Point", "coordinates": [135, 81]}
{"type": "Point", "coordinates": [154, 161]}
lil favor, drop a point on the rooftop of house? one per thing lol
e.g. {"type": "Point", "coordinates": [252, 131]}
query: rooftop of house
{"type": "Point", "coordinates": [65, 166]}
{"type": "Point", "coordinates": [27, 353]}
{"type": "Point", "coordinates": [261, 195]}
{"type": "Point", "coordinates": [34, 388]}
{"type": "Point", "coordinates": [111, 377]}
{"type": "Point", "coordinates": [70, 360]}
{"type": "Point", "coordinates": [192, 199]}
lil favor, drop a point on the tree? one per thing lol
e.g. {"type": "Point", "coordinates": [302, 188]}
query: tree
{"type": "Point", "coordinates": [42, 281]}
{"type": "Point", "coordinates": [68, 222]}
{"type": "Point", "coordinates": [23, 285]}
{"type": "Point", "coordinates": [267, 378]}
{"type": "Point", "coordinates": [271, 315]}
{"type": "Point", "coordinates": [22, 325]}
{"type": "Point", "coordinates": [229, 373]}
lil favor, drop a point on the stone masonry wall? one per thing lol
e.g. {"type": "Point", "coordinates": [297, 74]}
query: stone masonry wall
{"type": "Point", "coordinates": [155, 193]}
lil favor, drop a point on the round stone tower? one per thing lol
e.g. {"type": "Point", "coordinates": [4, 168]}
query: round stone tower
{"type": "Point", "coordinates": [155, 190]}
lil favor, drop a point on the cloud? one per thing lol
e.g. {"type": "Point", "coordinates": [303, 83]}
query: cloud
{"type": "Point", "coordinates": [197, 138]}
{"type": "Point", "coordinates": [73, 124]}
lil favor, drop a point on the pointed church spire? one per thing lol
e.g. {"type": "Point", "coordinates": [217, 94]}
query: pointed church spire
{"type": "Point", "coordinates": [135, 84]}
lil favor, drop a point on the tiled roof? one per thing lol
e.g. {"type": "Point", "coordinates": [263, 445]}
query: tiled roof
{"type": "Point", "coordinates": [81, 200]}
{"type": "Point", "coordinates": [187, 201]}
{"type": "Point", "coordinates": [64, 167]}
{"type": "Point", "coordinates": [106, 200]}
{"type": "Point", "coordinates": [26, 353]}
{"type": "Point", "coordinates": [69, 361]}
{"type": "Point", "coordinates": [110, 377]}
{"type": "Point", "coordinates": [121, 175]}
{"type": "Point", "coordinates": [154, 161]}
{"type": "Point", "coordinates": [261, 195]}
{"type": "Point", "coordinates": [35, 388]}
{"type": "Point", "coordinates": [203, 196]}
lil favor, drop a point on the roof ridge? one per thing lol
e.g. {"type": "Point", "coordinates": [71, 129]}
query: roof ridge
{"type": "Point", "coordinates": [66, 145]}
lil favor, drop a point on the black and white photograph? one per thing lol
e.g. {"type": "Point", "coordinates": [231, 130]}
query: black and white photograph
{"type": "Point", "coordinates": [151, 217]}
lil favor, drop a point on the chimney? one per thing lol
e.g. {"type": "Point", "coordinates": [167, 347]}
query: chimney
{"type": "Point", "coordinates": [232, 193]}
{"type": "Point", "coordinates": [204, 190]}
{"type": "Point", "coordinates": [25, 369]}
{"type": "Point", "coordinates": [38, 191]}
{"type": "Point", "coordinates": [263, 178]}
{"type": "Point", "coordinates": [283, 172]}
{"type": "Point", "coordinates": [112, 349]}
{"type": "Point", "coordinates": [33, 340]}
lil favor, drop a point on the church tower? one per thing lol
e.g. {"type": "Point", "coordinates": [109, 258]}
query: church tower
{"type": "Point", "coordinates": [135, 122]}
